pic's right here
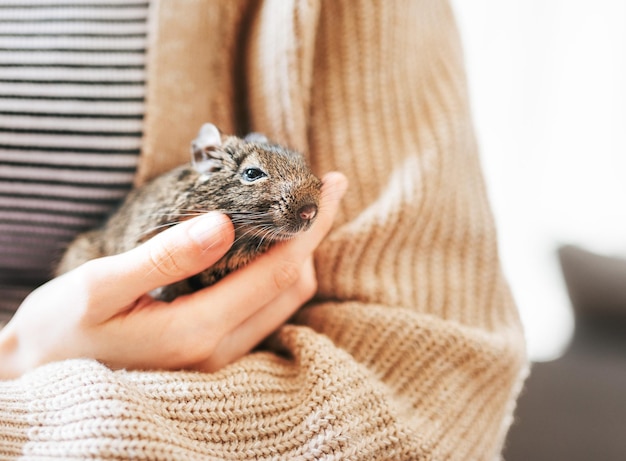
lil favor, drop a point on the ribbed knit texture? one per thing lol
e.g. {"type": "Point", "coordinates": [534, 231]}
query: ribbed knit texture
{"type": "Point", "coordinates": [413, 349]}
{"type": "Point", "coordinates": [72, 84]}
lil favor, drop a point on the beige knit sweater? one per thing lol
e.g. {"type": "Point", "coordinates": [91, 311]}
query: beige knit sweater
{"type": "Point", "coordinates": [413, 348]}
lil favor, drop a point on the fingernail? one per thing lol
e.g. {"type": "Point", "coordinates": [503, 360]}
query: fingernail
{"type": "Point", "coordinates": [207, 230]}
{"type": "Point", "coordinates": [343, 185]}
{"type": "Point", "coordinates": [340, 183]}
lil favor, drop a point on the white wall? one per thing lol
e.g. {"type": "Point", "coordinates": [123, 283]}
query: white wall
{"type": "Point", "coordinates": [548, 89]}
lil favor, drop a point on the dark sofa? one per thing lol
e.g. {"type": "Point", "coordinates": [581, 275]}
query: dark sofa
{"type": "Point", "coordinates": [574, 408]}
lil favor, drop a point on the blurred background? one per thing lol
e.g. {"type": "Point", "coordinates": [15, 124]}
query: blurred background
{"type": "Point", "coordinates": [547, 82]}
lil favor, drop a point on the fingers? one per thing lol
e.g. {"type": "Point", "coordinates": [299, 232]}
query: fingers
{"type": "Point", "coordinates": [263, 322]}
{"type": "Point", "coordinates": [270, 274]}
{"type": "Point", "coordinates": [231, 316]}
{"type": "Point", "coordinates": [173, 255]}
{"type": "Point", "coordinates": [214, 326]}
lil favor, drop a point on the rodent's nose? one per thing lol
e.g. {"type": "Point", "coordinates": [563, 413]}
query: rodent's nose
{"type": "Point", "coordinates": [307, 212]}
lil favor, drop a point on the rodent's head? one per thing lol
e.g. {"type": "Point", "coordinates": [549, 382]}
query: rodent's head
{"type": "Point", "coordinates": [268, 191]}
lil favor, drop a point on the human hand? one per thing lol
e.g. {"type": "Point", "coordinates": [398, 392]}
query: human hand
{"type": "Point", "coordinates": [100, 310]}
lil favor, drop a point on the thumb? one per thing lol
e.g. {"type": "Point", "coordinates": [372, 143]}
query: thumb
{"type": "Point", "coordinates": [173, 255]}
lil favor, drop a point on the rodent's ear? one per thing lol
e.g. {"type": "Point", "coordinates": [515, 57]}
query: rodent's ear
{"type": "Point", "coordinates": [209, 135]}
{"type": "Point", "coordinates": [205, 153]}
{"type": "Point", "coordinates": [256, 138]}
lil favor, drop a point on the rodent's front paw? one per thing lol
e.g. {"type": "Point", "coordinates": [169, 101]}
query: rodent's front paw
{"type": "Point", "coordinates": [171, 292]}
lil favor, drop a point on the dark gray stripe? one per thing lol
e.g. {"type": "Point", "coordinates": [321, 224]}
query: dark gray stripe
{"type": "Point", "coordinates": [77, 186]}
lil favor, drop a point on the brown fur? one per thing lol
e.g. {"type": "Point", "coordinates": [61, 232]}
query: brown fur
{"type": "Point", "coordinates": [262, 211]}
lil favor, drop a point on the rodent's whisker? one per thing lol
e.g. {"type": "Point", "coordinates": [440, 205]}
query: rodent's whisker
{"type": "Point", "coordinates": [159, 228]}
{"type": "Point", "coordinates": [140, 235]}
{"type": "Point", "coordinates": [212, 245]}
{"type": "Point", "coordinates": [169, 214]}
{"type": "Point", "coordinates": [260, 232]}
{"type": "Point", "coordinates": [181, 193]}
{"type": "Point", "coordinates": [250, 233]}
{"type": "Point", "coordinates": [250, 216]}
{"type": "Point", "coordinates": [151, 230]}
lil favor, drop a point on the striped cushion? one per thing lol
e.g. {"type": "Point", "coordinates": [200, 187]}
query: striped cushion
{"type": "Point", "coordinates": [72, 89]}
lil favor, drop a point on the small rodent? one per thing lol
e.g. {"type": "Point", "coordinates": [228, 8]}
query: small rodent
{"type": "Point", "coordinates": [268, 192]}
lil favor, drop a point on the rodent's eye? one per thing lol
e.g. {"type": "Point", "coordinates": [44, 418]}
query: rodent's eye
{"type": "Point", "coordinates": [253, 174]}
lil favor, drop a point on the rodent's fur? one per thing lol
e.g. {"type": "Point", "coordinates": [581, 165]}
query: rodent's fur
{"type": "Point", "coordinates": [274, 207]}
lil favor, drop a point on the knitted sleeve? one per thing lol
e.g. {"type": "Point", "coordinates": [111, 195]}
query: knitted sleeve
{"type": "Point", "coordinates": [413, 348]}
{"type": "Point", "coordinates": [410, 282]}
